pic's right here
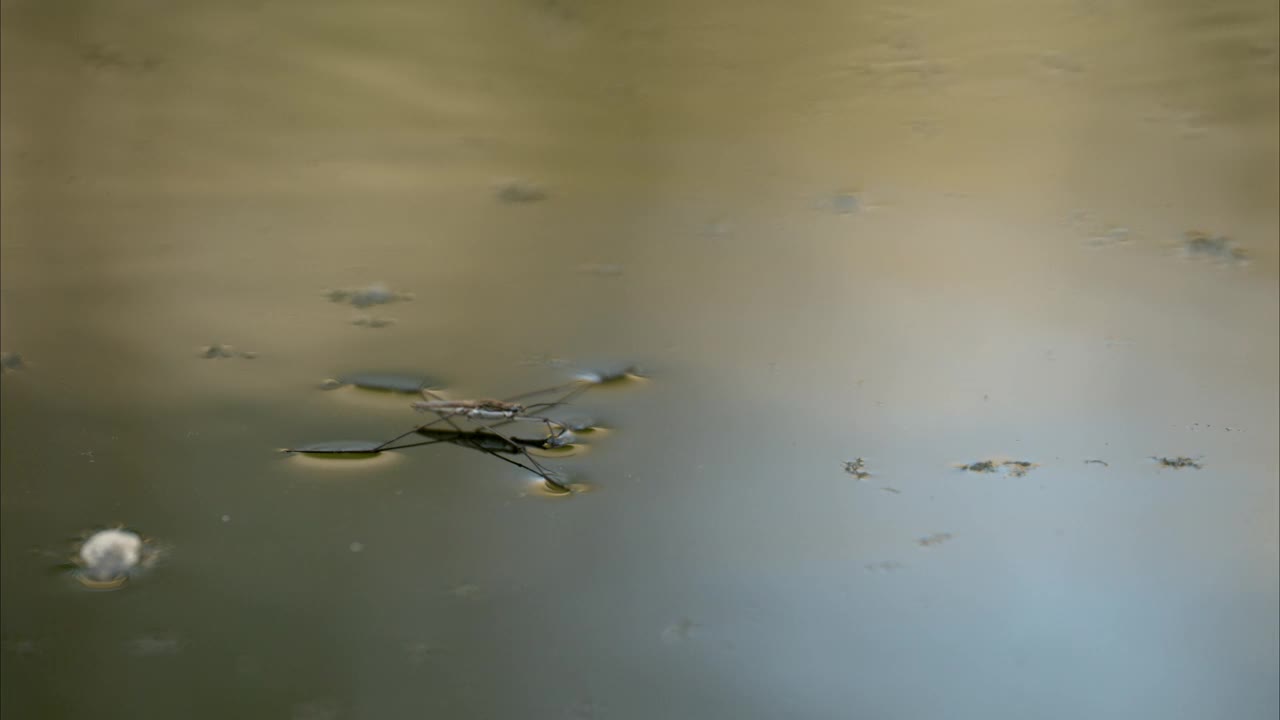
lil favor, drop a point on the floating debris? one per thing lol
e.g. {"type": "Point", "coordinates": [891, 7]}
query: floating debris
{"type": "Point", "coordinates": [407, 383]}
{"type": "Point", "coordinates": [219, 352]}
{"type": "Point", "coordinates": [924, 128]}
{"type": "Point", "coordinates": [1179, 462]}
{"type": "Point", "coordinates": [891, 491]}
{"type": "Point", "coordinates": [155, 645]}
{"type": "Point", "coordinates": [600, 269]}
{"type": "Point", "coordinates": [23, 648]}
{"type": "Point", "coordinates": [1103, 463]}
{"type": "Point", "coordinates": [375, 294]}
{"type": "Point", "coordinates": [933, 540]}
{"type": "Point", "coordinates": [419, 652]}
{"type": "Point", "coordinates": [1096, 231]}
{"type": "Point", "coordinates": [110, 58]}
{"type": "Point", "coordinates": [1018, 468]}
{"type": "Point", "coordinates": [319, 709]}
{"type": "Point", "coordinates": [1110, 236]}
{"type": "Point", "coordinates": [588, 708]}
{"type": "Point", "coordinates": [108, 558]}
{"type": "Point", "coordinates": [885, 566]}
{"type": "Point", "coordinates": [717, 229]}
{"type": "Point", "coordinates": [465, 591]}
{"type": "Point", "coordinates": [11, 362]}
{"type": "Point", "coordinates": [372, 322]}
{"type": "Point", "coordinates": [518, 192]}
{"type": "Point", "coordinates": [1012, 468]}
{"type": "Point", "coordinates": [1057, 62]}
{"type": "Point", "coordinates": [1196, 244]}
{"type": "Point", "coordinates": [845, 203]}
{"type": "Point", "coordinates": [857, 468]}
{"type": "Point", "coordinates": [679, 632]}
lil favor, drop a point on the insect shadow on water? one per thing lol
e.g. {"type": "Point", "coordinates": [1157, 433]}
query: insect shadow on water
{"type": "Point", "coordinates": [486, 418]}
{"type": "Point", "coordinates": [392, 382]}
{"type": "Point", "coordinates": [11, 362]}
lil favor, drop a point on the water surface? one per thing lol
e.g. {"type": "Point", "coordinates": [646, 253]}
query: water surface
{"type": "Point", "coordinates": [924, 234]}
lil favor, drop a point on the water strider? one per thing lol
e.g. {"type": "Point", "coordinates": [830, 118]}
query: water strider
{"type": "Point", "coordinates": [487, 416]}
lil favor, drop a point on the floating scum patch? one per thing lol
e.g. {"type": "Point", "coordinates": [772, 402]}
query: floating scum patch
{"type": "Point", "coordinates": [1011, 468]}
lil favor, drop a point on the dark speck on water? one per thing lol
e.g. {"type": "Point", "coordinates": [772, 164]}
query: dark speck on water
{"type": "Point", "coordinates": [1018, 468]}
{"type": "Point", "coordinates": [517, 192]}
{"type": "Point", "coordinates": [372, 322]}
{"type": "Point", "coordinates": [933, 540]}
{"type": "Point", "coordinates": [218, 352]}
{"type": "Point", "coordinates": [1219, 247]}
{"type": "Point", "coordinates": [1013, 468]}
{"type": "Point", "coordinates": [1179, 462]}
{"type": "Point", "coordinates": [857, 468]}
{"type": "Point", "coordinates": [11, 361]}
{"type": "Point", "coordinates": [845, 203]}
{"type": "Point", "coordinates": [375, 294]}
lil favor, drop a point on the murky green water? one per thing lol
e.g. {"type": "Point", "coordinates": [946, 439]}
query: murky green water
{"type": "Point", "coordinates": [924, 235]}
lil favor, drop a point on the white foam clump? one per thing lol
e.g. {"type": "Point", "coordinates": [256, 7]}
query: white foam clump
{"type": "Point", "coordinates": [111, 553]}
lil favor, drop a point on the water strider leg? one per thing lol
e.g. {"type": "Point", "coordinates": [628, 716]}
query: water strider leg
{"type": "Point", "coordinates": [574, 388]}
{"type": "Point", "coordinates": [541, 471]}
{"type": "Point", "coordinates": [543, 474]}
{"type": "Point", "coordinates": [439, 419]}
{"type": "Point", "coordinates": [416, 444]}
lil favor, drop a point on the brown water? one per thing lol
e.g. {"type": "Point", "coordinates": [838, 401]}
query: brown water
{"type": "Point", "coordinates": [923, 234]}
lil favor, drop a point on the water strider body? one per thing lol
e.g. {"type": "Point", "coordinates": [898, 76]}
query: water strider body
{"type": "Point", "coordinates": [473, 409]}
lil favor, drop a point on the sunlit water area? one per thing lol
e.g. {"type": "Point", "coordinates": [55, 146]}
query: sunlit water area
{"type": "Point", "coordinates": [550, 359]}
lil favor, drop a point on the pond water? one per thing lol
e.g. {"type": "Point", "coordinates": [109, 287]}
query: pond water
{"type": "Point", "coordinates": [957, 322]}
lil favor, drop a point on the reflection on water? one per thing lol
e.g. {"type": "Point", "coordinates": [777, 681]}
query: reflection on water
{"type": "Point", "coordinates": [904, 238]}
